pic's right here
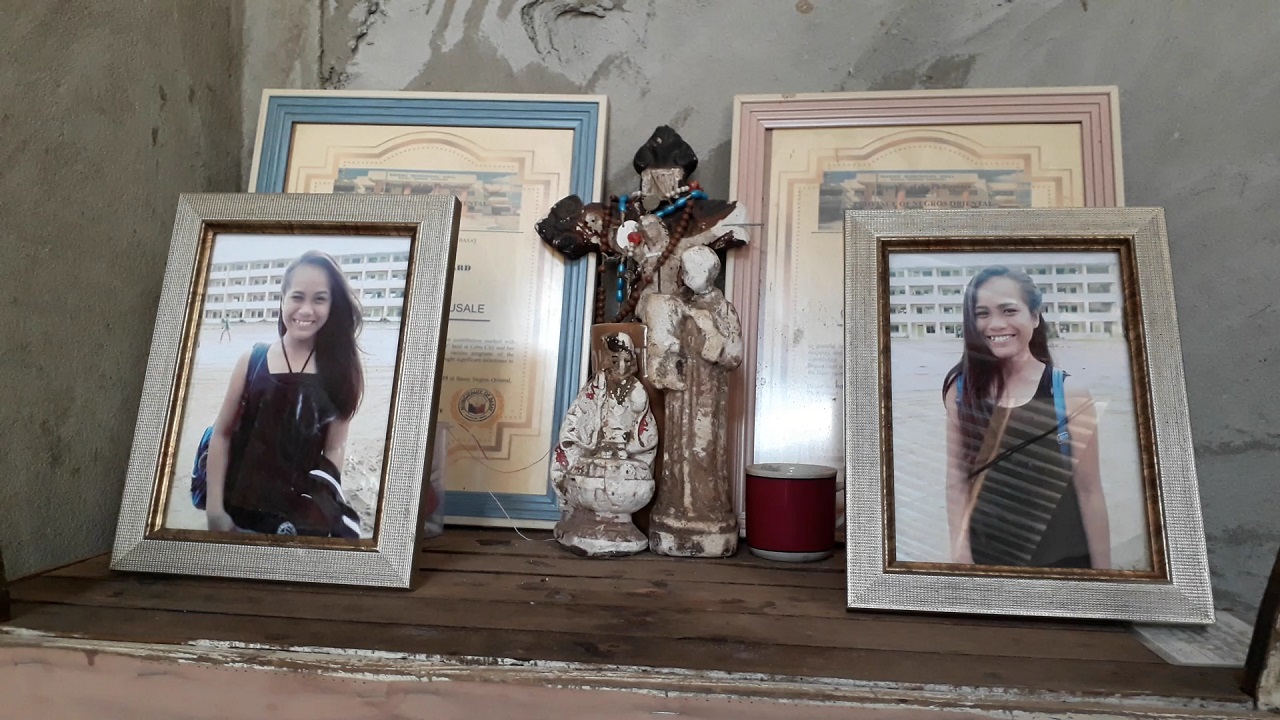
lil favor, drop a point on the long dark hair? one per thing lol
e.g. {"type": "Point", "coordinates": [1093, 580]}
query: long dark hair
{"type": "Point", "coordinates": [983, 381]}
{"type": "Point", "coordinates": [337, 354]}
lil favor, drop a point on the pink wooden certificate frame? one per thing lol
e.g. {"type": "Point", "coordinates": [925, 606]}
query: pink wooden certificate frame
{"type": "Point", "coordinates": [1096, 176]}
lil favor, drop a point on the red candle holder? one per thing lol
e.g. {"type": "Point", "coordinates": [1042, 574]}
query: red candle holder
{"type": "Point", "coordinates": [791, 509]}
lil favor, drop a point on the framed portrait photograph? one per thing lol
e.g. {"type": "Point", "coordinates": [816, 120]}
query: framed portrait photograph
{"type": "Point", "coordinates": [519, 312]}
{"type": "Point", "coordinates": [1016, 426]}
{"type": "Point", "coordinates": [287, 417]}
{"type": "Point", "coordinates": [801, 161]}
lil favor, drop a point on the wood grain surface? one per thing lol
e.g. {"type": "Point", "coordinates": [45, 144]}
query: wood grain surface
{"type": "Point", "coordinates": [493, 597]}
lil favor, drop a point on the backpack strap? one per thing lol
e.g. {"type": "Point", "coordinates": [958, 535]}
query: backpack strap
{"type": "Point", "coordinates": [199, 470]}
{"type": "Point", "coordinates": [257, 359]}
{"type": "Point", "coordinates": [1060, 407]}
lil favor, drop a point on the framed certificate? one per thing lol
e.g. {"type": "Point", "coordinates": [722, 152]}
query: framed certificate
{"type": "Point", "coordinates": [517, 330]}
{"type": "Point", "coordinates": [801, 161]}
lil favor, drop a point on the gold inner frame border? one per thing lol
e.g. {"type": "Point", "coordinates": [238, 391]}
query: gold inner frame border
{"type": "Point", "coordinates": [1135, 338]}
{"type": "Point", "coordinates": [163, 472]}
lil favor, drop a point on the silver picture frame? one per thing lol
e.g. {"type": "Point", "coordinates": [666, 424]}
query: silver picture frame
{"type": "Point", "coordinates": [1173, 585]}
{"type": "Point", "coordinates": [143, 541]}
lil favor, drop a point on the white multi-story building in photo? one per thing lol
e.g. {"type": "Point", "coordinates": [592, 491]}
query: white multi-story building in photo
{"type": "Point", "coordinates": [1081, 293]}
{"type": "Point", "coordinates": [249, 290]}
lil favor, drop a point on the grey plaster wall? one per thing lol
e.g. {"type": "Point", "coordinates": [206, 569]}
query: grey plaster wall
{"type": "Point", "coordinates": [107, 112]}
{"type": "Point", "coordinates": [283, 40]}
{"type": "Point", "coordinates": [1199, 104]}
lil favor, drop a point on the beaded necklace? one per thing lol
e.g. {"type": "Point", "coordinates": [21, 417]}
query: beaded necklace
{"type": "Point", "coordinates": [616, 212]}
{"type": "Point", "coordinates": [678, 199]}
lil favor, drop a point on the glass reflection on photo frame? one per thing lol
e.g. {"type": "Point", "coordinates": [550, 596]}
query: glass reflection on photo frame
{"type": "Point", "coordinates": [1014, 425]}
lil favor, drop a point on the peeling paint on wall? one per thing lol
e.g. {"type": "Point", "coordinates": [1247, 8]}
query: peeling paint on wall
{"type": "Point", "coordinates": [374, 11]}
{"type": "Point", "coordinates": [538, 17]}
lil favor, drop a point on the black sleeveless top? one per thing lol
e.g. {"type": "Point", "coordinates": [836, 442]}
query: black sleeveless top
{"type": "Point", "coordinates": [281, 438]}
{"type": "Point", "coordinates": [1027, 513]}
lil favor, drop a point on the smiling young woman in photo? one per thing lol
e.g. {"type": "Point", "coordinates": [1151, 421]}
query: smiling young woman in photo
{"type": "Point", "coordinates": [277, 447]}
{"type": "Point", "coordinates": [1023, 484]}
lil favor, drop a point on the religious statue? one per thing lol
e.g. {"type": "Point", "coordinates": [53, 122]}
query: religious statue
{"type": "Point", "coordinates": [640, 236]}
{"type": "Point", "coordinates": [657, 256]}
{"type": "Point", "coordinates": [694, 340]}
{"type": "Point", "coordinates": [602, 469]}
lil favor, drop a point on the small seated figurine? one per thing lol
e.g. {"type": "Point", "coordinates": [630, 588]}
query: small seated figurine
{"type": "Point", "coordinates": [602, 468]}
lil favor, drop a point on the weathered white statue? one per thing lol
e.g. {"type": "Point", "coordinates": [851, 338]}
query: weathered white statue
{"type": "Point", "coordinates": [602, 468]}
{"type": "Point", "coordinates": [695, 339]}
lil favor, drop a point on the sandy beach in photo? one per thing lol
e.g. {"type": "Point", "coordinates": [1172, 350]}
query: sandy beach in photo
{"type": "Point", "coordinates": [919, 443]}
{"type": "Point", "coordinates": [214, 361]}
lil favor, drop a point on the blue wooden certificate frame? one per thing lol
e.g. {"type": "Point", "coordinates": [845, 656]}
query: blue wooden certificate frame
{"type": "Point", "coordinates": [584, 115]}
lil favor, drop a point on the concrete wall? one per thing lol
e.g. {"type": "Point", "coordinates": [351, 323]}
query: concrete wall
{"type": "Point", "coordinates": [1199, 104]}
{"type": "Point", "coordinates": [107, 112]}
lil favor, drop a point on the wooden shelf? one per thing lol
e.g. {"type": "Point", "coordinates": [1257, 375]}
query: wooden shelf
{"type": "Point", "coordinates": [490, 598]}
